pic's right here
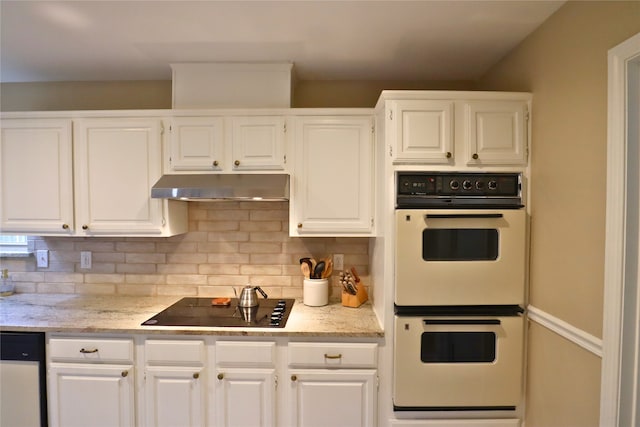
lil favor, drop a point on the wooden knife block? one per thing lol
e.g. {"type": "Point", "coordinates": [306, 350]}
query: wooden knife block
{"type": "Point", "coordinates": [361, 296]}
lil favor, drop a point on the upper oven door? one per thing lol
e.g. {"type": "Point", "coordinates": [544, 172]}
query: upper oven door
{"type": "Point", "coordinates": [460, 257]}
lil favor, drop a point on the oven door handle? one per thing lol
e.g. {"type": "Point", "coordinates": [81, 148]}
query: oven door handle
{"type": "Point", "coordinates": [464, 216]}
{"type": "Point", "coordinates": [461, 321]}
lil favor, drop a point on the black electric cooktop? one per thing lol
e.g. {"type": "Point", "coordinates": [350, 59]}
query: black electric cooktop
{"type": "Point", "coordinates": [271, 313]}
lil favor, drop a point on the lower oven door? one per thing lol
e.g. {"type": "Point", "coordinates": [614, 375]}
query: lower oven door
{"type": "Point", "coordinates": [460, 257]}
{"type": "Point", "coordinates": [458, 363]}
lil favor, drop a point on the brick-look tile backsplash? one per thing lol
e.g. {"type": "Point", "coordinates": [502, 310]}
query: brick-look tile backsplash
{"type": "Point", "coordinates": [228, 244]}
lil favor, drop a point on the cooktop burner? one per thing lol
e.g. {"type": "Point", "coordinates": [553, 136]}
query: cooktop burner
{"type": "Point", "coordinates": [271, 313]}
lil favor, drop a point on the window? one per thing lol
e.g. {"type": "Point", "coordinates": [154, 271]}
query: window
{"type": "Point", "coordinates": [13, 245]}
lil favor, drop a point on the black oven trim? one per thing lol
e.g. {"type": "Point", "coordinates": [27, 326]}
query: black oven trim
{"type": "Point", "coordinates": [458, 310]}
{"type": "Point", "coordinates": [415, 190]}
{"type": "Point", "coordinates": [453, 408]}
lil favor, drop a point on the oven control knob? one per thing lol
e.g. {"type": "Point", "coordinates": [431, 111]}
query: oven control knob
{"type": "Point", "coordinates": [467, 185]}
{"type": "Point", "coordinates": [492, 185]}
{"type": "Point", "coordinates": [454, 185]}
{"type": "Point", "coordinates": [479, 185]}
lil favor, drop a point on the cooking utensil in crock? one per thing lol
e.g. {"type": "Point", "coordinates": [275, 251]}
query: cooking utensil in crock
{"type": "Point", "coordinates": [318, 271]}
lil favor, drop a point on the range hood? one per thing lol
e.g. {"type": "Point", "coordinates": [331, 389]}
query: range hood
{"type": "Point", "coordinates": [211, 187]}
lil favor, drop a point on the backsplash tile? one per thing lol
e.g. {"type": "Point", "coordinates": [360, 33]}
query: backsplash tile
{"type": "Point", "coordinates": [228, 244]}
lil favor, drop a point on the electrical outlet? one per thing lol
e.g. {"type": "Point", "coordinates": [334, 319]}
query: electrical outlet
{"type": "Point", "coordinates": [42, 258]}
{"type": "Point", "coordinates": [338, 262]}
{"type": "Point", "coordinates": [85, 259]}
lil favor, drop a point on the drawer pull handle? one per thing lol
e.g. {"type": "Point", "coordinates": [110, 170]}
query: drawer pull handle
{"type": "Point", "coordinates": [124, 373]}
{"type": "Point", "coordinates": [88, 351]}
{"type": "Point", "coordinates": [333, 356]}
{"type": "Point", "coordinates": [196, 376]}
{"type": "Point", "coordinates": [220, 376]}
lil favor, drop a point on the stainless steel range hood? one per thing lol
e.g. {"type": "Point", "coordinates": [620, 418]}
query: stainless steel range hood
{"type": "Point", "coordinates": [211, 187]}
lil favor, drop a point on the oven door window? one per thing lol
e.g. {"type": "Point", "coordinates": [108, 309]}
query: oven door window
{"type": "Point", "coordinates": [460, 244]}
{"type": "Point", "coordinates": [458, 347]}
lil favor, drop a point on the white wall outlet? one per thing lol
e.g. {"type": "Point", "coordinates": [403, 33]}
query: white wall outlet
{"type": "Point", "coordinates": [42, 258]}
{"type": "Point", "coordinates": [85, 259]}
{"type": "Point", "coordinates": [338, 262]}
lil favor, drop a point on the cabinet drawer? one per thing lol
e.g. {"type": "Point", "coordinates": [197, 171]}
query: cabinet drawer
{"type": "Point", "coordinates": [232, 353]}
{"type": "Point", "coordinates": [168, 352]}
{"type": "Point", "coordinates": [91, 350]}
{"type": "Point", "coordinates": [333, 355]}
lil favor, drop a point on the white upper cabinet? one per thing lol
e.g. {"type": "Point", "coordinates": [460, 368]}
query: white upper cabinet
{"type": "Point", "coordinates": [496, 132]}
{"type": "Point", "coordinates": [227, 144]}
{"type": "Point", "coordinates": [36, 176]}
{"type": "Point", "coordinates": [84, 177]}
{"type": "Point", "coordinates": [116, 163]}
{"type": "Point", "coordinates": [423, 131]}
{"type": "Point", "coordinates": [258, 142]}
{"type": "Point", "coordinates": [197, 143]}
{"type": "Point", "coordinates": [455, 129]}
{"type": "Point", "coordinates": [333, 179]}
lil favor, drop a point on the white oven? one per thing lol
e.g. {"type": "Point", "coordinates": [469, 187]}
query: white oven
{"type": "Point", "coordinates": [462, 363]}
{"type": "Point", "coordinates": [460, 265]}
{"type": "Point", "coordinates": [460, 256]}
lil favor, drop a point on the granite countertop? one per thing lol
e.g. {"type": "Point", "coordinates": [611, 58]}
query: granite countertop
{"type": "Point", "coordinates": [74, 313]}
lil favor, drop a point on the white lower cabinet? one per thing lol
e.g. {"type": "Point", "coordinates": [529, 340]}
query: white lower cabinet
{"type": "Point", "coordinates": [332, 384]}
{"type": "Point", "coordinates": [337, 398]}
{"type": "Point", "coordinates": [91, 382]}
{"type": "Point", "coordinates": [175, 383]}
{"type": "Point", "coordinates": [245, 389]}
{"type": "Point", "coordinates": [201, 381]}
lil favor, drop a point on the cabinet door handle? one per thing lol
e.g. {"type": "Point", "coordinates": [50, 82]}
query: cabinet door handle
{"type": "Point", "coordinates": [85, 227]}
{"type": "Point", "coordinates": [215, 163]}
{"type": "Point", "coordinates": [124, 373]}
{"type": "Point", "coordinates": [65, 226]}
{"type": "Point", "coordinates": [294, 378]}
{"type": "Point", "coordinates": [221, 376]}
{"type": "Point", "coordinates": [449, 154]}
{"type": "Point", "coordinates": [196, 375]}
{"type": "Point", "coordinates": [237, 163]}
{"type": "Point", "coordinates": [88, 351]}
{"type": "Point", "coordinates": [333, 356]}
{"type": "Point", "coordinates": [475, 156]}
{"type": "Point", "coordinates": [299, 225]}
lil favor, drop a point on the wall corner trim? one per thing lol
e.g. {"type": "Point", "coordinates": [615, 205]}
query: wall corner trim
{"type": "Point", "coordinates": [566, 330]}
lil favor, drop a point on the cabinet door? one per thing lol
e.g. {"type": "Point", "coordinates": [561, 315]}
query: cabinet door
{"type": "Point", "coordinates": [116, 163]}
{"type": "Point", "coordinates": [337, 398]}
{"type": "Point", "coordinates": [36, 180]}
{"type": "Point", "coordinates": [174, 396]}
{"type": "Point", "coordinates": [333, 180]}
{"type": "Point", "coordinates": [496, 132]}
{"type": "Point", "coordinates": [245, 397]}
{"type": "Point", "coordinates": [91, 395]}
{"type": "Point", "coordinates": [197, 143]}
{"type": "Point", "coordinates": [258, 142]}
{"type": "Point", "coordinates": [423, 131]}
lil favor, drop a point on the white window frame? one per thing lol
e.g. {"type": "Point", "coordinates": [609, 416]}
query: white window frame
{"type": "Point", "coordinates": [14, 245]}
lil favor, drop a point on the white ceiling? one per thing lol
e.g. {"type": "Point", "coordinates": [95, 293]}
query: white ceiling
{"type": "Point", "coordinates": [326, 40]}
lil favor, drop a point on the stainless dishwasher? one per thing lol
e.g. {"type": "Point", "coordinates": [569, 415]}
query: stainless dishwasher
{"type": "Point", "coordinates": [23, 391]}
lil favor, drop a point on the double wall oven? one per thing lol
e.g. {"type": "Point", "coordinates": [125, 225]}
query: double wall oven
{"type": "Point", "coordinates": [460, 268]}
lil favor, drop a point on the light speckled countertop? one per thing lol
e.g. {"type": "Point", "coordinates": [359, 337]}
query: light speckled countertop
{"type": "Point", "coordinates": [74, 313]}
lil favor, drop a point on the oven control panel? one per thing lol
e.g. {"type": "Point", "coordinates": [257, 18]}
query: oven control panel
{"type": "Point", "coordinates": [458, 189]}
